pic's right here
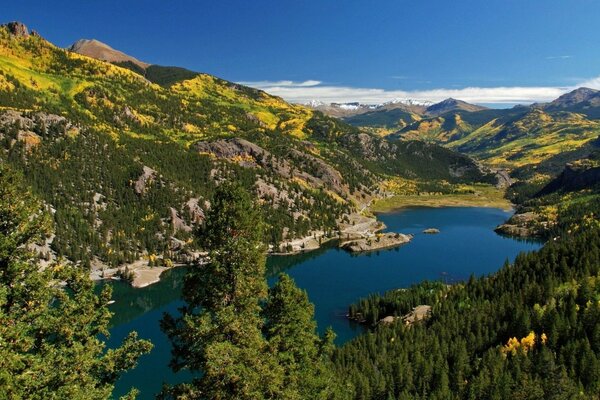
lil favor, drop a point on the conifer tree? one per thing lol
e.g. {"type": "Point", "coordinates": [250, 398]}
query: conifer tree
{"type": "Point", "coordinates": [291, 330]}
{"type": "Point", "coordinates": [219, 331]}
{"type": "Point", "coordinates": [245, 343]}
{"type": "Point", "coordinates": [50, 344]}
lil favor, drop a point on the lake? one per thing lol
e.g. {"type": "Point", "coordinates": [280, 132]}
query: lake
{"type": "Point", "coordinates": [332, 278]}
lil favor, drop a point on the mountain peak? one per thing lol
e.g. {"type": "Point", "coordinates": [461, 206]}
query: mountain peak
{"type": "Point", "coordinates": [17, 28]}
{"type": "Point", "coordinates": [451, 104]}
{"type": "Point", "coordinates": [101, 51]}
{"type": "Point", "coordinates": [579, 95]}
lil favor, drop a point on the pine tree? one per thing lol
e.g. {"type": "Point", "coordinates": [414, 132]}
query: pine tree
{"type": "Point", "coordinates": [304, 356]}
{"type": "Point", "coordinates": [219, 331]}
{"type": "Point", "coordinates": [50, 344]}
{"type": "Point", "coordinates": [247, 343]}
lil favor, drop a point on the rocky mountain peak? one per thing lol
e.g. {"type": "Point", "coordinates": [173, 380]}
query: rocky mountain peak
{"type": "Point", "coordinates": [576, 96]}
{"type": "Point", "coordinates": [18, 29]}
{"type": "Point", "coordinates": [101, 51]}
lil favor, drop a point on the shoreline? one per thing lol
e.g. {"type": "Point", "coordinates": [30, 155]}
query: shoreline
{"type": "Point", "coordinates": [400, 202]}
{"type": "Point", "coordinates": [360, 227]}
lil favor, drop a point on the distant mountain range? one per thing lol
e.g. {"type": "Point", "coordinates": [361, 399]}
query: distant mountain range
{"type": "Point", "coordinates": [519, 137]}
{"type": "Point", "coordinates": [408, 105]}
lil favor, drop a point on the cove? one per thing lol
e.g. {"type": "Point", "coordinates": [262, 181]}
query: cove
{"type": "Point", "coordinates": [332, 278]}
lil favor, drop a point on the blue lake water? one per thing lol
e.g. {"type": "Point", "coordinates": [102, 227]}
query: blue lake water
{"type": "Point", "coordinates": [333, 279]}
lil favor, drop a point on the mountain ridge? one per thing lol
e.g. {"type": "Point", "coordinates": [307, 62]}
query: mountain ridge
{"type": "Point", "coordinates": [102, 51]}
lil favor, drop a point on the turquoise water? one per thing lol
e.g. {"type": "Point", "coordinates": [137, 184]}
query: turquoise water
{"type": "Point", "coordinates": [333, 279]}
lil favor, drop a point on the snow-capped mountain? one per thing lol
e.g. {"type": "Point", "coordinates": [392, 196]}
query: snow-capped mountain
{"type": "Point", "coordinates": [355, 108]}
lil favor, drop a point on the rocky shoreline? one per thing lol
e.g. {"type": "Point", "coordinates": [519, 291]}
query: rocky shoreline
{"type": "Point", "coordinates": [379, 242]}
{"type": "Point", "coordinates": [357, 234]}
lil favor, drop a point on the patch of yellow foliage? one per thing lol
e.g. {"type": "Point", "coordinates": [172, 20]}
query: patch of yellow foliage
{"type": "Point", "coordinates": [399, 186]}
{"type": "Point", "coordinates": [525, 344]}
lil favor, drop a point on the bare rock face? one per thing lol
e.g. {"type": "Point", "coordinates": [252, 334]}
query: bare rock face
{"type": "Point", "coordinates": [148, 174]}
{"type": "Point", "coordinates": [250, 155]}
{"type": "Point", "coordinates": [178, 222]}
{"type": "Point", "coordinates": [195, 211]}
{"type": "Point", "coordinates": [17, 29]}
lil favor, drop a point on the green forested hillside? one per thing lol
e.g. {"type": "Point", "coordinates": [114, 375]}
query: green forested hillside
{"type": "Point", "coordinates": [129, 165]}
{"type": "Point", "coordinates": [529, 331]}
{"type": "Point", "coordinates": [515, 138]}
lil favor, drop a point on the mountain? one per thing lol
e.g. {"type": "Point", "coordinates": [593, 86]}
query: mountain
{"type": "Point", "coordinates": [159, 74]}
{"type": "Point", "coordinates": [101, 51]}
{"type": "Point", "coordinates": [380, 119]}
{"type": "Point", "coordinates": [450, 105]}
{"type": "Point", "coordinates": [509, 138]}
{"type": "Point", "coordinates": [519, 138]}
{"type": "Point", "coordinates": [391, 116]}
{"type": "Point", "coordinates": [583, 101]}
{"type": "Point", "coordinates": [576, 97]}
{"type": "Point", "coordinates": [356, 108]}
{"type": "Point", "coordinates": [130, 165]}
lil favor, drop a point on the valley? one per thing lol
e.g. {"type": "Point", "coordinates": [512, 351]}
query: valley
{"type": "Point", "coordinates": [177, 234]}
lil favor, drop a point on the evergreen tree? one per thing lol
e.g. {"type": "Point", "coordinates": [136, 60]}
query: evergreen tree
{"type": "Point", "coordinates": [222, 331]}
{"type": "Point", "coordinates": [50, 344]}
{"type": "Point", "coordinates": [219, 331]}
{"type": "Point", "coordinates": [304, 356]}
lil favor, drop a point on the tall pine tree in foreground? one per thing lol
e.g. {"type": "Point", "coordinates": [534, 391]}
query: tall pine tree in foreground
{"type": "Point", "coordinates": [50, 319]}
{"type": "Point", "coordinates": [233, 331]}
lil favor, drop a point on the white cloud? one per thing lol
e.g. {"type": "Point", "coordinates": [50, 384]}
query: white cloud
{"type": "Point", "coordinates": [302, 92]}
{"type": "Point", "coordinates": [286, 84]}
{"type": "Point", "coordinates": [565, 57]}
{"type": "Point", "coordinates": [593, 83]}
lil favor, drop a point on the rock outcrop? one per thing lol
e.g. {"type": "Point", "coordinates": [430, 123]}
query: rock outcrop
{"type": "Point", "coordinates": [250, 155]}
{"type": "Point", "coordinates": [148, 175]}
{"type": "Point", "coordinates": [17, 29]}
{"type": "Point", "coordinates": [526, 224]}
{"type": "Point", "coordinates": [378, 242]}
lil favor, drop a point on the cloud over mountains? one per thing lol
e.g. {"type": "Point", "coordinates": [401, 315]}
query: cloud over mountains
{"type": "Point", "coordinates": [305, 91]}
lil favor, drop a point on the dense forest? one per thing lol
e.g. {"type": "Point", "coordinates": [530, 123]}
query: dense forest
{"type": "Point", "coordinates": [529, 331]}
{"type": "Point", "coordinates": [52, 323]}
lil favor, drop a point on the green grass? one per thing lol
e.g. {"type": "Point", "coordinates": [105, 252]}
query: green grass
{"type": "Point", "coordinates": [483, 196]}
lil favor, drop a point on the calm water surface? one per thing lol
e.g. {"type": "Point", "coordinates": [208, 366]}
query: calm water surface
{"type": "Point", "coordinates": [333, 279]}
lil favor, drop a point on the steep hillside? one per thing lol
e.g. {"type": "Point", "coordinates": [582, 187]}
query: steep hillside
{"type": "Point", "coordinates": [130, 166]}
{"type": "Point", "coordinates": [512, 138]}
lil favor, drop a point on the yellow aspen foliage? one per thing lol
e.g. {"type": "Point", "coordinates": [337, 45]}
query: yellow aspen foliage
{"type": "Point", "coordinates": [525, 344]}
{"type": "Point", "coordinates": [511, 346]}
{"type": "Point", "coordinates": [528, 342]}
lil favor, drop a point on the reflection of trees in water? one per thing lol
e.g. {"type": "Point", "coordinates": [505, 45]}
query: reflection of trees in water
{"type": "Point", "coordinates": [279, 264]}
{"type": "Point", "coordinates": [130, 303]}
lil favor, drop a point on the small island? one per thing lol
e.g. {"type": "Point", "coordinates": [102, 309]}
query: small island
{"type": "Point", "coordinates": [377, 242]}
{"type": "Point", "coordinates": [431, 231]}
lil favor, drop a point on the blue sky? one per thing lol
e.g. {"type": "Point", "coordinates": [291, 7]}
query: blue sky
{"type": "Point", "coordinates": [493, 51]}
